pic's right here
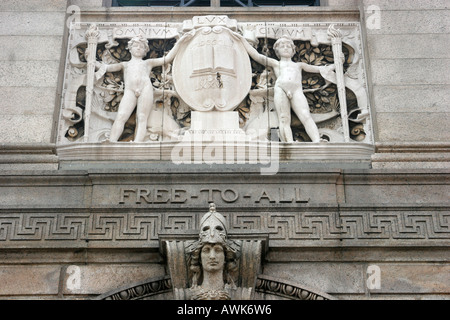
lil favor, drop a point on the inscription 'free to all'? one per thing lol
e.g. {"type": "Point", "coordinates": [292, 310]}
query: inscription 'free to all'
{"type": "Point", "coordinates": [177, 195]}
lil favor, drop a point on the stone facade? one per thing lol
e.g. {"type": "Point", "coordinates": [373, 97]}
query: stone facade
{"type": "Point", "coordinates": [88, 222]}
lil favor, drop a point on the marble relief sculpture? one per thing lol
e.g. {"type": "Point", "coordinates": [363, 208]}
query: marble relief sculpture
{"type": "Point", "coordinates": [288, 91]}
{"type": "Point", "coordinates": [215, 262]}
{"type": "Point", "coordinates": [138, 90]}
{"type": "Point", "coordinates": [304, 80]}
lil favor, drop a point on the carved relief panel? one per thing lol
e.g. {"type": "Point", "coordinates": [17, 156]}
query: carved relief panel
{"type": "Point", "coordinates": [215, 66]}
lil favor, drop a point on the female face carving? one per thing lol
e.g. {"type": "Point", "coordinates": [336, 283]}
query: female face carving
{"type": "Point", "coordinates": [212, 257]}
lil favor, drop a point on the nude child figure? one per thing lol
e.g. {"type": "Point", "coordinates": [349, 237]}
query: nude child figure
{"type": "Point", "coordinates": [288, 91]}
{"type": "Point", "coordinates": [138, 91]}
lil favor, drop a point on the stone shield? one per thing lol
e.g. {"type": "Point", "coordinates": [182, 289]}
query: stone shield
{"type": "Point", "coordinates": [212, 71]}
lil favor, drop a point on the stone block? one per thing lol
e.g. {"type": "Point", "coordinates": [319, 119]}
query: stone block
{"type": "Point", "coordinates": [26, 128]}
{"type": "Point", "coordinates": [339, 3]}
{"type": "Point", "coordinates": [408, 46]}
{"type": "Point", "coordinates": [29, 73]}
{"type": "Point", "coordinates": [414, 278]}
{"type": "Point", "coordinates": [386, 164]}
{"type": "Point", "coordinates": [29, 280]}
{"type": "Point", "coordinates": [28, 101]}
{"type": "Point", "coordinates": [411, 99]}
{"type": "Point", "coordinates": [70, 196]}
{"type": "Point", "coordinates": [410, 71]}
{"type": "Point", "coordinates": [385, 186]}
{"type": "Point", "coordinates": [99, 279]}
{"type": "Point", "coordinates": [86, 4]}
{"type": "Point", "coordinates": [330, 278]}
{"type": "Point", "coordinates": [413, 126]}
{"type": "Point", "coordinates": [412, 22]}
{"type": "Point", "coordinates": [387, 5]}
{"type": "Point", "coordinates": [28, 23]}
{"type": "Point", "coordinates": [35, 5]}
{"type": "Point", "coordinates": [30, 48]}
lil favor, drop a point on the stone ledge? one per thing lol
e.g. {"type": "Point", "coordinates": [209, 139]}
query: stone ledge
{"type": "Point", "coordinates": [408, 155]}
{"type": "Point", "coordinates": [28, 157]}
{"type": "Point", "coordinates": [252, 153]}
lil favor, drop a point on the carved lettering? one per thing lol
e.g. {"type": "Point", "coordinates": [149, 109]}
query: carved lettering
{"type": "Point", "coordinates": [265, 195]}
{"type": "Point", "coordinates": [124, 193]}
{"type": "Point", "coordinates": [292, 32]}
{"type": "Point", "coordinates": [210, 193]}
{"type": "Point", "coordinates": [210, 20]}
{"type": "Point", "coordinates": [283, 198]}
{"type": "Point", "coordinates": [162, 195]}
{"type": "Point", "coordinates": [178, 196]}
{"type": "Point", "coordinates": [148, 32]}
{"type": "Point", "coordinates": [298, 198]}
{"type": "Point", "coordinates": [226, 198]}
{"type": "Point", "coordinates": [208, 82]}
{"type": "Point", "coordinates": [143, 194]}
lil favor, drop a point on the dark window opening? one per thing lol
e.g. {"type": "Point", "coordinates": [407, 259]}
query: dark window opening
{"type": "Point", "coordinates": [208, 3]}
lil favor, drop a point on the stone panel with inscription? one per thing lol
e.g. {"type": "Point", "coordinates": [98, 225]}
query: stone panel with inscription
{"type": "Point", "coordinates": [214, 79]}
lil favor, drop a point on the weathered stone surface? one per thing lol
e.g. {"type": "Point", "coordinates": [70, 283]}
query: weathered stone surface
{"type": "Point", "coordinates": [399, 71]}
{"type": "Point", "coordinates": [387, 5]}
{"type": "Point", "coordinates": [409, 46]}
{"type": "Point", "coordinates": [27, 101]}
{"type": "Point", "coordinates": [411, 99]}
{"type": "Point", "coordinates": [31, 48]}
{"type": "Point", "coordinates": [29, 280]}
{"type": "Point", "coordinates": [35, 5]}
{"type": "Point", "coordinates": [419, 21]}
{"type": "Point", "coordinates": [369, 255]}
{"type": "Point", "coordinates": [408, 127]}
{"type": "Point", "coordinates": [97, 279]}
{"type": "Point", "coordinates": [28, 23]}
{"type": "Point", "coordinates": [386, 187]}
{"type": "Point", "coordinates": [340, 3]}
{"type": "Point", "coordinates": [29, 74]}
{"type": "Point", "coordinates": [414, 278]}
{"type": "Point", "coordinates": [328, 277]}
{"type": "Point", "coordinates": [26, 128]}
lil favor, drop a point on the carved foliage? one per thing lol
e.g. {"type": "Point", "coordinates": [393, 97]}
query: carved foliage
{"type": "Point", "coordinates": [111, 86]}
{"type": "Point", "coordinates": [321, 95]}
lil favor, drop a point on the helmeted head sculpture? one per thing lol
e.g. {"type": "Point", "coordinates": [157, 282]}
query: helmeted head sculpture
{"type": "Point", "coordinates": [213, 227]}
{"type": "Point", "coordinates": [212, 259]}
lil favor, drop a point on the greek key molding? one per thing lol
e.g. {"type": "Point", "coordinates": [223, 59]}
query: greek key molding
{"type": "Point", "coordinates": [398, 226]}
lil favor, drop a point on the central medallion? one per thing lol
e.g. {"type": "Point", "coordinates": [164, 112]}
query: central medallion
{"type": "Point", "coordinates": [212, 72]}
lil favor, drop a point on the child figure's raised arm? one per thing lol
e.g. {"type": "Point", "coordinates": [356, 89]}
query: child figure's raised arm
{"type": "Point", "coordinates": [253, 53]}
{"type": "Point", "coordinates": [103, 68]}
{"type": "Point", "coordinates": [172, 53]}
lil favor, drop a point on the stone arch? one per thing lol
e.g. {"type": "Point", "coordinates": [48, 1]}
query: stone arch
{"type": "Point", "coordinates": [271, 286]}
{"type": "Point", "coordinates": [266, 286]}
{"type": "Point", "coordinates": [150, 289]}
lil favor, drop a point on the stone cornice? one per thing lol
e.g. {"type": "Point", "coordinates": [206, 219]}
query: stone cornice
{"type": "Point", "coordinates": [305, 14]}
